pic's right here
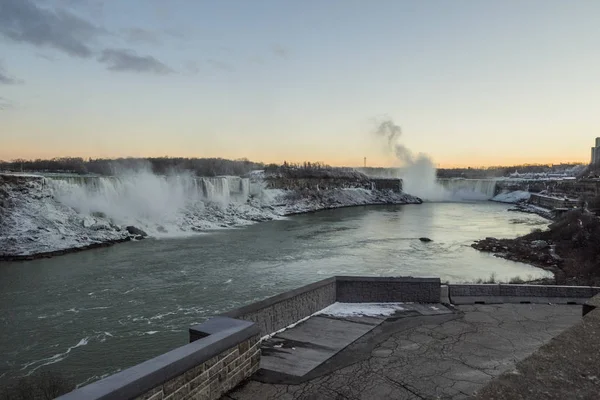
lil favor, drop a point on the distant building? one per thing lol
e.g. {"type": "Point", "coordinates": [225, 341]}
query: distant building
{"type": "Point", "coordinates": [596, 152]}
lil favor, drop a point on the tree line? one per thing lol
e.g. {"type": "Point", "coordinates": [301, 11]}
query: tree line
{"type": "Point", "coordinates": [158, 165]}
{"type": "Point", "coordinates": [500, 171]}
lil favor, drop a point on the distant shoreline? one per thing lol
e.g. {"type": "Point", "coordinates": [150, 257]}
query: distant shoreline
{"type": "Point", "coordinates": [403, 200]}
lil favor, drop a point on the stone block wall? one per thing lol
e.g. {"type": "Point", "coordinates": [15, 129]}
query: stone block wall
{"type": "Point", "coordinates": [213, 378]}
{"type": "Point", "coordinates": [316, 183]}
{"type": "Point", "coordinates": [382, 290]}
{"type": "Point", "coordinates": [225, 352]}
{"type": "Point", "coordinates": [279, 311]}
{"type": "Point", "coordinates": [394, 184]}
{"type": "Point", "coordinates": [507, 293]}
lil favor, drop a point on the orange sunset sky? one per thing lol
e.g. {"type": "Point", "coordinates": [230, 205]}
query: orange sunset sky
{"type": "Point", "coordinates": [470, 83]}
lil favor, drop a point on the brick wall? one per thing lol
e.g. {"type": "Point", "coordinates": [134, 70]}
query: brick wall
{"type": "Point", "coordinates": [213, 378]}
{"type": "Point", "coordinates": [284, 309]}
{"type": "Point", "coordinates": [381, 289]}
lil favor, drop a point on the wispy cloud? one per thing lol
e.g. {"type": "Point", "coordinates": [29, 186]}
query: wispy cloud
{"type": "Point", "coordinates": [223, 66]}
{"type": "Point", "coordinates": [144, 36]}
{"type": "Point", "coordinates": [128, 60]}
{"type": "Point", "coordinates": [6, 79]}
{"type": "Point", "coordinates": [5, 104]}
{"type": "Point", "coordinates": [24, 21]}
{"type": "Point", "coordinates": [45, 56]}
{"type": "Point", "coordinates": [280, 51]}
{"type": "Point", "coordinates": [191, 67]}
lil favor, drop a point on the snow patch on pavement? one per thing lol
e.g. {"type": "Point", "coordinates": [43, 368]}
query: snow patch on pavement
{"type": "Point", "coordinates": [362, 309]}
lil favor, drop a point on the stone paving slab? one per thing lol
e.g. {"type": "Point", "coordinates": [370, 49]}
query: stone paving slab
{"type": "Point", "coordinates": [565, 368]}
{"type": "Point", "coordinates": [299, 350]}
{"type": "Point", "coordinates": [448, 356]}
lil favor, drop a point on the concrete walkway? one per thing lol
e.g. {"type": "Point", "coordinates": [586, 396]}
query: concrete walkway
{"type": "Point", "coordinates": [293, 354]}
{"type": "Point", "coordinates": [417, 356]}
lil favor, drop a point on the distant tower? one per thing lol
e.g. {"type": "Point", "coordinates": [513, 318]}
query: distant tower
{"type": "Point", "coordinates": [365, 162]}
{"type": "Point", "coordinates": [596, 152]}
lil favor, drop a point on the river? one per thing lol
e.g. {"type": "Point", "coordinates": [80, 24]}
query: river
{"type": "Point", "coordinates": [93, 313]}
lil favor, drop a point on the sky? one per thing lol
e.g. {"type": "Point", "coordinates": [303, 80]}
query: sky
{"type": "Point", "coordinates": [471, 83]}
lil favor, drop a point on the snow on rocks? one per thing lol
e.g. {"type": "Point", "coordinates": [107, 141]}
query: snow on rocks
{"type": "Point", "coordinates": [512, 197]}
{"type": "Point", "coordinates": [40, 216]}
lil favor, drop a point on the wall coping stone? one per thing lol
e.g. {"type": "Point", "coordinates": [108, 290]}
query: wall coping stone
{"type": "Point", "coordinates": [410, 279]}
{"type": "Point", "coordinates": [143, 377]}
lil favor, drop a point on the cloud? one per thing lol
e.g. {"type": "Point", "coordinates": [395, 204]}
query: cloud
{"type": "Point", "coordinates": [6, 79]}
{"type": "Point", "coordinates": [139, 35]}
{"type": "Point", "coordinates": [23, 21]}
{"type": "Point", "coordinates": [128, 60]}
{"type": "Point", "coordinates": [46, 57]}
{"type": "Point", "coordinates": [223, 66]}
{"type": "Point", "coordinates": [192, 67]}
{"type": "Point", "coordinates": [26, 22]}
{"type": "Point", "coordinates": [280, 51]}
{"type": "Point", "coordinates": [5, 104]}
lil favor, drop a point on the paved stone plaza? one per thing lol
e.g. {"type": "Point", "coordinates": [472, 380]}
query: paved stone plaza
{"type": "Point", "coordinates": [415, 356]}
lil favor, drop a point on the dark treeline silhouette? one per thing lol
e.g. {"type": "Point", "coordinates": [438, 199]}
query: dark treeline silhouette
{"type": "Point", "coordinates": [158, 165]}
{"type": "Point", "coordinates": [312, 170]}
{"type": "Point", "coordinates": [500, 171]}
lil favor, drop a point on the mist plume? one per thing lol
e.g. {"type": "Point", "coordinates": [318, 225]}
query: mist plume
{"type": "Point", "coordinates": [418, 171]}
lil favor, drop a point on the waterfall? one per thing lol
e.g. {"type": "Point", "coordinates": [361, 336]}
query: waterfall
{"type": "Point", "coordinates": [469, 189]}
{"type": "Point", "coordinates": [157, 204]}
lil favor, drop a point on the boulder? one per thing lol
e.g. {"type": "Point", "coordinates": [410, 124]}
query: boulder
{"type": "Point", "coordinates": [137, 232]}
{"type": "Point", "coordinates": [425, 239]}
{"type": "Point", "coordinates": [539, 244]}
{"type": "Point", "coordinates": [88, 222]}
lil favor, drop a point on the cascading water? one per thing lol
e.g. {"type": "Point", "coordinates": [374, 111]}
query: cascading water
{"type": "Point", "coordinates": [43, 215]}
{"type": "Point", "coordinates": [160, 205]}
{"type": "Point", "coordinates": [469, 189]}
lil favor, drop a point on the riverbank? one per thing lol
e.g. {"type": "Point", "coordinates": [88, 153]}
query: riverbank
{"type": "Point", "coordinates": [520, 200]}
{"type": "Point", "coordinates": [570, 249]}
{"type": "Point", "coordinates": [41, 218]}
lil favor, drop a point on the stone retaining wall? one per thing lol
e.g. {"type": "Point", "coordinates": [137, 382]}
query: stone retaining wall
{"type": "Point", "coordinates": [552, 202]}
{"type": "Point", "coordinates": [223, 353]}
{"type": "Point", "coordinates": [279, 311]}
{"type": "Point", "coordinates": [386, 290]}
{"type": "Point", "coordinates": [225, 349]}
{"type": "Point", "coordinates": [393, 184]}
{"type": "Point", "coordinates": [214, 377]}
{"type": "Point", "coordinates": [507, 293]}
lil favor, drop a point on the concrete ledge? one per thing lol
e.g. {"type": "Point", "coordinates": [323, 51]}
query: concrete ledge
{"type": "Point", "coordinates": [565, 368]}
{"type": "Point", "coordinates": [444, 297]}
{"type": "Point", "coordinates": [462, 300]}
{"type": "Point", "coordinates": [590, 305]}
{"type": "Point", "coordinates": [217, 325]}
{"type": "Point", "coordinates": [507, 293]}
{"type": "Point", "coordinates": [353, 289]}
{"type": "Point", "coordinates": [223, 334]}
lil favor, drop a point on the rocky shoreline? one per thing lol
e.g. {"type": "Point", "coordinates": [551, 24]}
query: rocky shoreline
{"type": "Point", "coordinates": [570, 249]}
{"type": "Point", "coordinates": [54, 253]}
{"type": "Point", "coordinates": [538, 253]}
{"type": "Point", "coordinates": [35, 223]}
